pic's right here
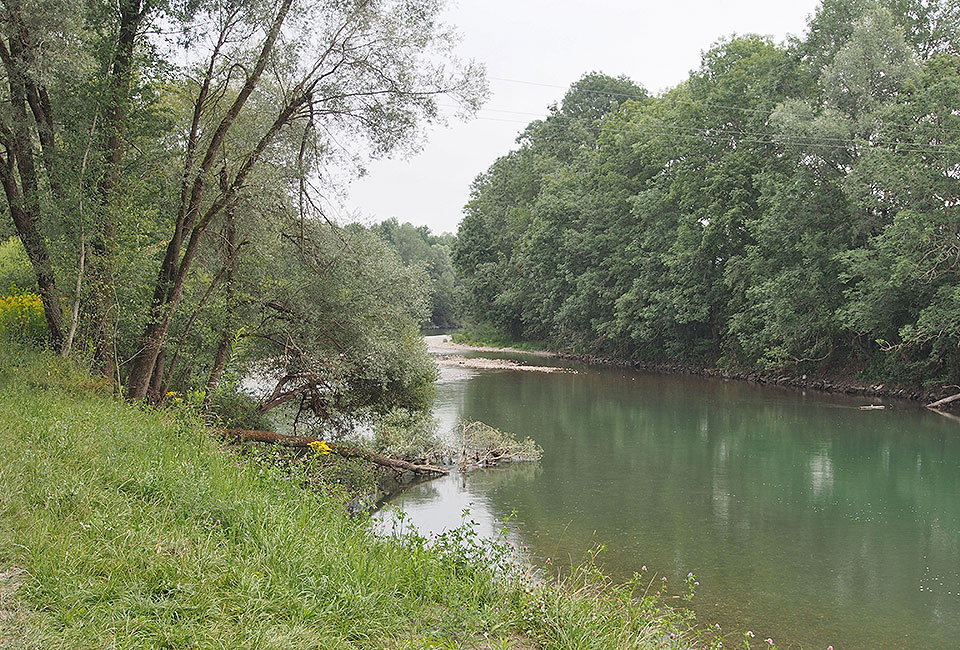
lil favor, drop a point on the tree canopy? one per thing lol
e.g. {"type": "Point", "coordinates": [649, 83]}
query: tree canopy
{"type": "Point", "coordinates": [788, 206]}
{"type": "Point", "coordinates": [164, 165]}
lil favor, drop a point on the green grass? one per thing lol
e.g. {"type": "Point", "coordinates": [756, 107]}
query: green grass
{"type": "Point", "coordinates": [134, 530]}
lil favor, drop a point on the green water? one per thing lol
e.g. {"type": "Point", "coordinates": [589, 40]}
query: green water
{"type": "Point", "coordinates": [804, 518]}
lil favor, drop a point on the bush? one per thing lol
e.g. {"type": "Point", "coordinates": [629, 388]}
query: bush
{"type": "Point", "coordinates": [22, 320]}
{"type": "Point", "coordinates": [236, 410]}
{"type": "Point", "coordinates": [16, 273]}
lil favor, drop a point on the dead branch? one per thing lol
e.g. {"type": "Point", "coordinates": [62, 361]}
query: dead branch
{"type": "Point", "coordinates": [944, 401]}
{"type": "Point", "coordinates": [346, 451]}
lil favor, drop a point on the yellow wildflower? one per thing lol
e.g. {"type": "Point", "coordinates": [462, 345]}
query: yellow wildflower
{"type": "Point", "coordinates": [320, 447]}
{"type": "Point", "coordinates": [21, 317]}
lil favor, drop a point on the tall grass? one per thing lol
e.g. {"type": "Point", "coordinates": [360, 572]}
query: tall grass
{"type": "Point", "coordinates": [135, 530]}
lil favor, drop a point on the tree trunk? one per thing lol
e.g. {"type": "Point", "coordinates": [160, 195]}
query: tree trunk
{"type": "Point", "coordinates": [23, 198]}
{"type": "Point", "coordinates": [103, 245]}
{"type": "Point", "coordinates": [219, 365]}
{"type": "Point", "coordinates": [28, 229]}
{"type": "Point", "coordinates": [173, 271]}
{"type": "Point", "coordinates": [226, 336]}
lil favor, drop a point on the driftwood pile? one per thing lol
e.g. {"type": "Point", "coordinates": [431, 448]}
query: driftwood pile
{"type": "Point", "coordinates": [486, 446]}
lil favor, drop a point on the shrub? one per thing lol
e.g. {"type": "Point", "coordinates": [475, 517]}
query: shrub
{"type": "Point", "coordinates": [236, 410]}
{"type": "Point", "coordinates": [16, 273]}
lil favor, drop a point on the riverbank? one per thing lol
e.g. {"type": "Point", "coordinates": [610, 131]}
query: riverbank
{"type": "Point", "coordinates": [847, 386]}
{"type": "Point", "coordinates": [827, 384]}
{"type": "Point", "coordinates": [128, 526]}
{"type": "Point", "coordinates": [444, 344]}
{"type": "Point", "coordinates": [445, 352]}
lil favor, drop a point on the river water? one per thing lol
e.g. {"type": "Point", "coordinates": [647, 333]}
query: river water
{"type": "Point", "coordinates": [803, 518]}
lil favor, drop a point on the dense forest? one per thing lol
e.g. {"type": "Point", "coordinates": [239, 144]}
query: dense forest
{"type": "Point", "coordinates": [418, 247]}
{"type": "Point", "coordinates": [167, 167]}
{"type": "Point", "coordinates": [791, 207]}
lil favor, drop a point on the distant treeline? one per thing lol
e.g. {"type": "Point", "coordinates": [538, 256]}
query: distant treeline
{"type": "Point", "coordinates": [417, 246]}
{"type": "Point", "coordinates": [786, 206]}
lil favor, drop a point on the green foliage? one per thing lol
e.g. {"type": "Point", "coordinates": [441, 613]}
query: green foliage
{"type": "Point", "coordinates": [485, 335]}
{"type": "Point", "coordinates": [346, 348]}
{"type": "Point", "coordinates": [16, 274]}
{"type": "Point", "coordinates": [236, 410]}
{"type": "Point", "coordinates": [782, 208]}
{"type": "Point", "coordinates": [417, 247]}
{"type": "Point", "coordinates": [871, 67]}
{"type": "Point", "coordinates": [337, 479]}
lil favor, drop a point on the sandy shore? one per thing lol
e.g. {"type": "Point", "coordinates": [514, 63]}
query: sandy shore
{"type": "Point", "coordinates": [479, 363]}
{"type": "Point", "coordinates": [442, 344]}
{"type": "Point", "coordinates": [443, 349]}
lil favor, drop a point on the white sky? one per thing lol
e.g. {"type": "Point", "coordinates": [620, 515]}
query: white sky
{"type": "Point", "coordinates": [549, 45]}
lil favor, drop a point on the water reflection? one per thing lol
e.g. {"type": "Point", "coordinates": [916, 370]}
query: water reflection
{"type": "Point", "coordinates": [804, 518]}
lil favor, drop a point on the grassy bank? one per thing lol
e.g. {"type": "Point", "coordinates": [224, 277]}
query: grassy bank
{"type": "Point", "coordinates": [128, 527]}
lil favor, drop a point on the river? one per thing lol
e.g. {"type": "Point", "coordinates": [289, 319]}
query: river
{"type": "Point", "coordinates": [803, 518]}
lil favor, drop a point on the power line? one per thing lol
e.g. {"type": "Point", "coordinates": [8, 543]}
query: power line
{"type": "Point", "coordinates": [673, 130]}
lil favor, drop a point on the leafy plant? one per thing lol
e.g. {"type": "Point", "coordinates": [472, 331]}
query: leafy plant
{"type": "Point", "coordinates": [16, 274]}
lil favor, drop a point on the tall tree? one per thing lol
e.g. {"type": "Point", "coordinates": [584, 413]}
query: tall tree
{"type": "Point", "coordinates": [27, 120]}
{"type": "Point", "coordinates": [359, 68]}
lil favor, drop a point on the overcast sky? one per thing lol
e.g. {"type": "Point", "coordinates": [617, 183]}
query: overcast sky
{"type": "Point", "coordinates": [533, 50]}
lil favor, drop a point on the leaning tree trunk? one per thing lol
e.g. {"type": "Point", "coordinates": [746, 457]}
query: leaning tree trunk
{"type": "Point", "coordinates": [174, 269]}
{"type": "Point", "coordinates": [226, 336]}
{"type": "Point", "coordinates": [18, 173]}
{"type": "Point", "coordinates": [27, 225]}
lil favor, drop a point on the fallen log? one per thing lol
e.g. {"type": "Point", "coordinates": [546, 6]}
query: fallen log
{"type": "Point", "coordinates": [346, 451]}
{"type": "Point", "coordinates": [943, 402]}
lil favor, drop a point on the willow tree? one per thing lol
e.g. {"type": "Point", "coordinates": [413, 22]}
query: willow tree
{"type": "Point", "coordinates": [28, 163]}
{"type": "Point", "coordinates": [366, 72]}
{"type": "Point", "coordinates": [72, 77]}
